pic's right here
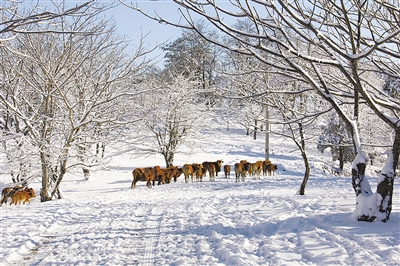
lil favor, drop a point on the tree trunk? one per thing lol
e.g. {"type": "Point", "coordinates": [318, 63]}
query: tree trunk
{"type": "Point", "coordinates": [306, 174]}
{"type": "Point", "coordinates": [386, 180]}
{"type": "Point", "coordinates": [103, 149]}
{"type": "Point", "coordinates": [169, 158]}
{"type": "Point", "coordinates": [255, 130]}
{"type": "Point", "coordinates": [305, 159]}
{"type": "Point", "coordinates": [60, 178]}
{"type": "Point", "coordinates": [267, 130]}
{"type": "Point", "coordinates": [45, 178]}
{"type": "Point", "coordinates": [341, 159]}
{"type": "Point", "coordinates": [358, 175]}
{"type": "Point", "coordinates": [362, 189]}
{"type": "Point", "coordinates": [86, 173]}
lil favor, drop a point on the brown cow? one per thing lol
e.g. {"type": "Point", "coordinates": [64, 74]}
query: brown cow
{"type": "Point", "coordinates": [211, 171]}
{"type": "Point", "coordinates": [7, 193]}
{"type": "Point", "coordinates": [271, 169]}
{"type": "Point", "coordinates": [159, 175]}
{"type": "Point", "coordinates": [163, 175]}
{"type": "Point", "coordinates": [265, 166]}
{"type": "Point", "coordinates": [241, 170]}
{"type": "Point", "coordinates": [217, 164]}
{"type": "Point", "coordinates": [189, 170]}
{"type": "Point", "coordinates": [200, 173]}
{"type": "Point", "coordinates": [258, 167]}
{"type": "Point", "coordinates": [173, 172]}
{"type": "Point", "coordinates": [23, 196]}
{"type": "Point", "coordinates": [177, 173]}
{"type": "Point", "coordinates": [227, 170]}
{"type": "Point", "coordinates": [250, 169]}
{"type": "Point", "coordinates": [143, 174]}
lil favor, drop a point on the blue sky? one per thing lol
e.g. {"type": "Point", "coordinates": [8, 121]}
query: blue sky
{"type": "Point", "coordinates": [132, 23]}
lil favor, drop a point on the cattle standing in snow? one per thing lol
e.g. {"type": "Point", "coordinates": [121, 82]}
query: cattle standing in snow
{"type": "Point", "coordinates": [241, 170]}
{"type": "Point", "coordinates": [8, 192]}
{"type": "Point", "coordinates": [189, 170]}
{"type": "Point", "coordinates": [143, 174]}
{"type": "Point", "coordinates": [227, 171]}
{"type": "Point", "coordinates": [217, 164]}
{"type": "Point", "coordinates": [23, 196]}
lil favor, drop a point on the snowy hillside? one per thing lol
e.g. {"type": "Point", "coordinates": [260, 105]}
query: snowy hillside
{"type": "Point", "coordinates": [258, 222]}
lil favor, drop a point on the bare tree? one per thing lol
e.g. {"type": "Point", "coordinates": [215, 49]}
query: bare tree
{"type": "Point", "coordinates": [174, 116]}
{"type": "Point", "coordinates": [332, 46]}
{"type": "Point", "coordinates": [62, 89]}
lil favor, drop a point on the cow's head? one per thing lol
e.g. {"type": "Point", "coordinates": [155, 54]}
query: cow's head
{"type": "Point", "coordinates": [31, 192]}
{"type": "Point", "coordinates": [219, 165]}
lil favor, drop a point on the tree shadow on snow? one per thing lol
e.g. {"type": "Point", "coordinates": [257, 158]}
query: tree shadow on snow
{"type": "Point", "coordinates": [333, 224]}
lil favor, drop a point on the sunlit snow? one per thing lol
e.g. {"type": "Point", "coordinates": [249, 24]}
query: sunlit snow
{"type": "Point", "coordinates": [258, 222]}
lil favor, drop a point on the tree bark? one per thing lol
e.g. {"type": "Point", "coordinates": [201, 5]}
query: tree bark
{"type": "Point", "coordinates": [45, 178]}
{"type": "Point", "coordinates": [341, 159]}
{"type": "Point", "coordinates": [358, 174]}
{"type": "Point", "coordinates": [86, 173]}
{"type": "Point", "coordinates": [305, 159]}
{"type": "Point", "coordinates": [306, 174]}
{"type": "Point", "coordinates": [60, 178]}
{"type": "Point", "coordinates": [255, 130]}
{"type": "Point", "coordinates": [169, 158]}
{"type": "Point", "coordinates": [386, 180]}
{"type": "Point", "coordinates": [362, 190]}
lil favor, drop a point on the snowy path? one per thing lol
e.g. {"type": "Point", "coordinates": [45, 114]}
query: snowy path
{"type": "Point", "coordinates": [221, 223]}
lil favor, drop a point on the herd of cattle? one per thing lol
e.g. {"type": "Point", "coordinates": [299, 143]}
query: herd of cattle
{"type": "Point", "coordinates": [151, 175]}
{"type": "Point", "coordinates": [198, 171]}
{"type": "Point", "coordinates": [17, 194]}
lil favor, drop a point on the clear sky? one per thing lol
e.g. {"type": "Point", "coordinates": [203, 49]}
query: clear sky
{"type": "Point", "coordinates": [133, 24]}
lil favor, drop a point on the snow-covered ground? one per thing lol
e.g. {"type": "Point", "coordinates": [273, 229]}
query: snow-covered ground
{"type": "Point", "coordinates": [258, 222]}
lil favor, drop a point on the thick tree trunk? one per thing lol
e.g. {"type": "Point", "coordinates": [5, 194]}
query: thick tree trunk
{"type": "Point", "coordinates": [363, 191]}
{"type": "Point", "coordinates": [358, 175]}
{"type": "Point", "coordinates": [169, 158]}
{"type": "Point", "coordinates": [386, 180]}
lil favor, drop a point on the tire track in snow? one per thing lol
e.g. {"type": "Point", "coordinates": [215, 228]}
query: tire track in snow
{"type": "Point", "coordinates": [68, 226]}
{"type": "Point", "coordinates": [154, 233]}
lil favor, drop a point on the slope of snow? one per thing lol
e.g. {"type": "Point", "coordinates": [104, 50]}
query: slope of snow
{"type": "Point", "coordinates": [258, 222]}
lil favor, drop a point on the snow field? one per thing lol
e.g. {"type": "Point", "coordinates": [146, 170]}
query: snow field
{"type": "Point", "coordinates": [258, 222]}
